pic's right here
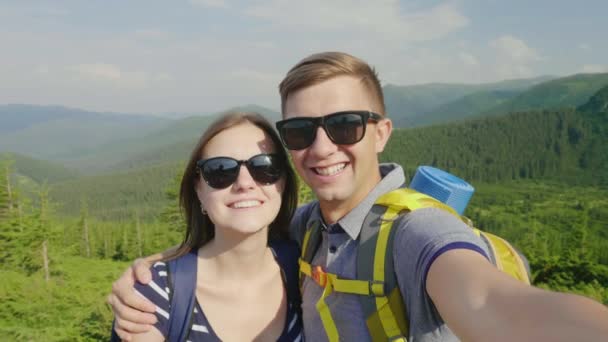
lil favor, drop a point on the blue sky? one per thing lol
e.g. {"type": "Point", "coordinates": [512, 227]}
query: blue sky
{"type": "Point", "coordinates": [202, 56]}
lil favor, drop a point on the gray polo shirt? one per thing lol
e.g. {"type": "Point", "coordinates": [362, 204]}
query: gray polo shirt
{"type": "Point", "coordinates": [420, 238]}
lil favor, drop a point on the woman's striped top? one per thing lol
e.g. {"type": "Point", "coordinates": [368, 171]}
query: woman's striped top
{"type": "Point", "coordinates": [158, 291]}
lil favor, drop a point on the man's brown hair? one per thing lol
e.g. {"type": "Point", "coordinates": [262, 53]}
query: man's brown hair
{"type": "Point", "coordinates": [323, 66]}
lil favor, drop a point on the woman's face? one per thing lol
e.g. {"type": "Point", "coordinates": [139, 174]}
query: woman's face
{"type": "Point", "coordinates": [246, 206]}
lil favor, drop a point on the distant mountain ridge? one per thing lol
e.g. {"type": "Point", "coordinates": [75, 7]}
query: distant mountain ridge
{"type": "Point", "coordinates": [566, 92]}
{"type": "Point", "coordinates": [167, 144]}
{"type": "Point", "coordinates": [566, 145]}
{"type": "Point", "coordinates": [466, 106]}
{"type": "Point", "coordinates": [422, 105]}
{"type": "Point", "coordinates": [97, 141]}
{"type": "Point", "coordinates": [54, 132]}
{"type": "Point", "coordinates": [105, 142]}
{"type": "Point", "coordinates": [406, 104]}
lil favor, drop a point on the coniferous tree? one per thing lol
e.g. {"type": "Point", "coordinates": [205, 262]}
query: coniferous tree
{"type": "Point", "coordinates": [84, 223]}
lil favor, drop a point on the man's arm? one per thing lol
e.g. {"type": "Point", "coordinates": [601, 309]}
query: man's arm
{"type": "Point", "coordinates": [134, 314]}
{"type": "Point", "coordinates": [480, 303]}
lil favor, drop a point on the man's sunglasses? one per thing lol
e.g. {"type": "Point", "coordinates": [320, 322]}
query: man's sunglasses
{"type": "Point", "coordinates": [342, 128]}
{"type": "Point", "coordinates": [221, 172]}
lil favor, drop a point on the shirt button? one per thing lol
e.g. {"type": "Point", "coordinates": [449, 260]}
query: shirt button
{"type": "Point", "coordinates": [332, 249]}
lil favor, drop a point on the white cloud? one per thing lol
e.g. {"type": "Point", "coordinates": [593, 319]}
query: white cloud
{"type": "Point", "coordinates": [42, 69]}
{"type": "Point", "coordinates": [468, 59]}
{"type": "Point", "coordinates": [594, 68]}
{"type": "Point", "coordinates": [29, 10]}
{"type": "Point", "coordinates": [513, 57]}
{"type": "Point", "coordinates": [210, 3]}
{"type": "Point", "coordinates": [384, 19]}
{"type": "Point", "coordinates": [97, 71]}
{"type": "Point", "coordinates": [114, 76]}
{"type": "Point", "coordinates": [254, 76]}
{"type": "Point", "coordinates": [151, 34]}
{"type": "Point", "coordinates": [515, 49]}
{"type": "Point", "coordinates": [584, 46]}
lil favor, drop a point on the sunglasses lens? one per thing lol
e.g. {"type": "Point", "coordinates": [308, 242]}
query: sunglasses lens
{"type": "Point", "coordinates": [347, 128]}
{"type": "Point", "coordinates": [298, 134]}
{"type": "Point", "coordinates": [265, 168]}
{"type": "Point", "coordinates": [220, 172]}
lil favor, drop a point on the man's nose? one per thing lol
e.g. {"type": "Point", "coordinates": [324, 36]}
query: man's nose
{"type": "Point", "coordinates": [322, 146]}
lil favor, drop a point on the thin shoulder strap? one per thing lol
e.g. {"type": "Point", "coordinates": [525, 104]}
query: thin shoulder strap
{"type": "Point", "coordinates": [287, 253]}
{"type": "Point", "coordinates": [182, 278]}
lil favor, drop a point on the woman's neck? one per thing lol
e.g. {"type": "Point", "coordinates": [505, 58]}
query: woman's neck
{"type": "Point", "coordinates": [236, 255]}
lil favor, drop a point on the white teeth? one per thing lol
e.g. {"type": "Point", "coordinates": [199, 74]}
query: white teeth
{"type": "Point", "coordinates": [330, 171]}
{"type": "Point", "coordinates": [246, 204]}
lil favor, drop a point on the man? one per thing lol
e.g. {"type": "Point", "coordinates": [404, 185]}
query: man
{"type": "Point", "coordinates": [450, 289]}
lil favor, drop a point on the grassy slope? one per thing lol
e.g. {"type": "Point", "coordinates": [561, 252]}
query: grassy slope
{"type": "Point", "coordinates": [71, 307]}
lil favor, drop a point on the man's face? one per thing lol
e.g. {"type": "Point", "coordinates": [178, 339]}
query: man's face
{"type": "Point", "coordinates": [340, 175]}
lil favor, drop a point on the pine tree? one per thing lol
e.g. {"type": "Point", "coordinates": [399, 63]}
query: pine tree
{"type": "Point", "coordinates": [84, 223]}
{"type": "Point", "coordinates": [138, 230]}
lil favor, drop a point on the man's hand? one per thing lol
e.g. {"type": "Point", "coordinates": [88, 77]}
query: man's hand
{"type": "Point", "coordinates": [133, 313]}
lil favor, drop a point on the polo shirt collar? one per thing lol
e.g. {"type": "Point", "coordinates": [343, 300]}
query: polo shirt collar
{"type": "Point", "coordinates": [393, 178]}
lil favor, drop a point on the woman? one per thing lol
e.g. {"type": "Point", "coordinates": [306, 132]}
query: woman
{"type": "Point", "coordinates": [238, 194]}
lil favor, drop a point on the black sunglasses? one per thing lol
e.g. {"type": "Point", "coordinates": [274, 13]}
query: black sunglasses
{"type": "Point", "coordinates": [342, 128]}
{"type": "Point", "coordinates": [221, 172]}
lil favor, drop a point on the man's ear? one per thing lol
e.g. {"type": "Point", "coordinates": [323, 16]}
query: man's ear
{"type": "Point", "coordinates": [384, 128]}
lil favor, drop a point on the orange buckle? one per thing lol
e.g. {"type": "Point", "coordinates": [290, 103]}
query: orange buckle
{"type": "Point", "coordinates": [319, 276]}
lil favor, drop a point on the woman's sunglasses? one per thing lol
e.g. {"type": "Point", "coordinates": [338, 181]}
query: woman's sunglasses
{"type": "Point", "coordinates": [221, 172]}
{"type": "Point", "coordinates": [342, 128]}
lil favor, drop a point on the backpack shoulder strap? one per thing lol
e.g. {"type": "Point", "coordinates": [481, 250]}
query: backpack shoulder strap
{"type": "Point", "coordinates": [384, 310]}
{"type": "Point", "coordinates": [287, 254]}
{"type": "Point", "coordinates": [310, 244]}
{"type": "Point", "coordinates": [182, 279]}
{"type": "Point", "coordinates": [506, 257]}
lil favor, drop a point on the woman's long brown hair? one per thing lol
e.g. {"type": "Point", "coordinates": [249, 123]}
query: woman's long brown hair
{"type": "Point", "coordinates": [199, 228]}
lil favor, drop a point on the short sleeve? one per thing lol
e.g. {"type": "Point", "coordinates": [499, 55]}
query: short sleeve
{"type": "Point", "coordinates": [422, 236]}
{"type": "Point", "coordinates": [158, 292]}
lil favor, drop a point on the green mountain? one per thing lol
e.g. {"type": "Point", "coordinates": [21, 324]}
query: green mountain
{"type": "Point", "coordinates": [168, 144]}
{"type": "Point", "coordinates": [466, 107]}
{"type": "Point", "coordinates": [39, 170]}
{"type": "Point", "coordinates": [406, 104]}
{"type": "Point", "coordinates": [118, 195]}
{"type": "Point", "coordinates": [566, 92]}
{"type": "Point", "coordinates": [53, 132]}
{"type": "Point", "coordinates": [598, 103]}
{"type": "Point", "coordinates": [552, 144]}
{"type": "Point", "coordinates": [136, 173]}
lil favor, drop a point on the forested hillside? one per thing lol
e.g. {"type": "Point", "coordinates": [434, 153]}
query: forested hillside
{"type": "Point", "coordinates": [552, 144]}
{"type": "Point", "coordinates": [39, 170]}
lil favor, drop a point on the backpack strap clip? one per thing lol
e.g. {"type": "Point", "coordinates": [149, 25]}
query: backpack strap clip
{"type": "Point", "coordinates": [377, 288]}
{"type": "Point", "coordinates": [319, 276]}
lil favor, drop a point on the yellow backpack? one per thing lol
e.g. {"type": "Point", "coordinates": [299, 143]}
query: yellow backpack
{"type": "Point", "coordinates": [380, 298]}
